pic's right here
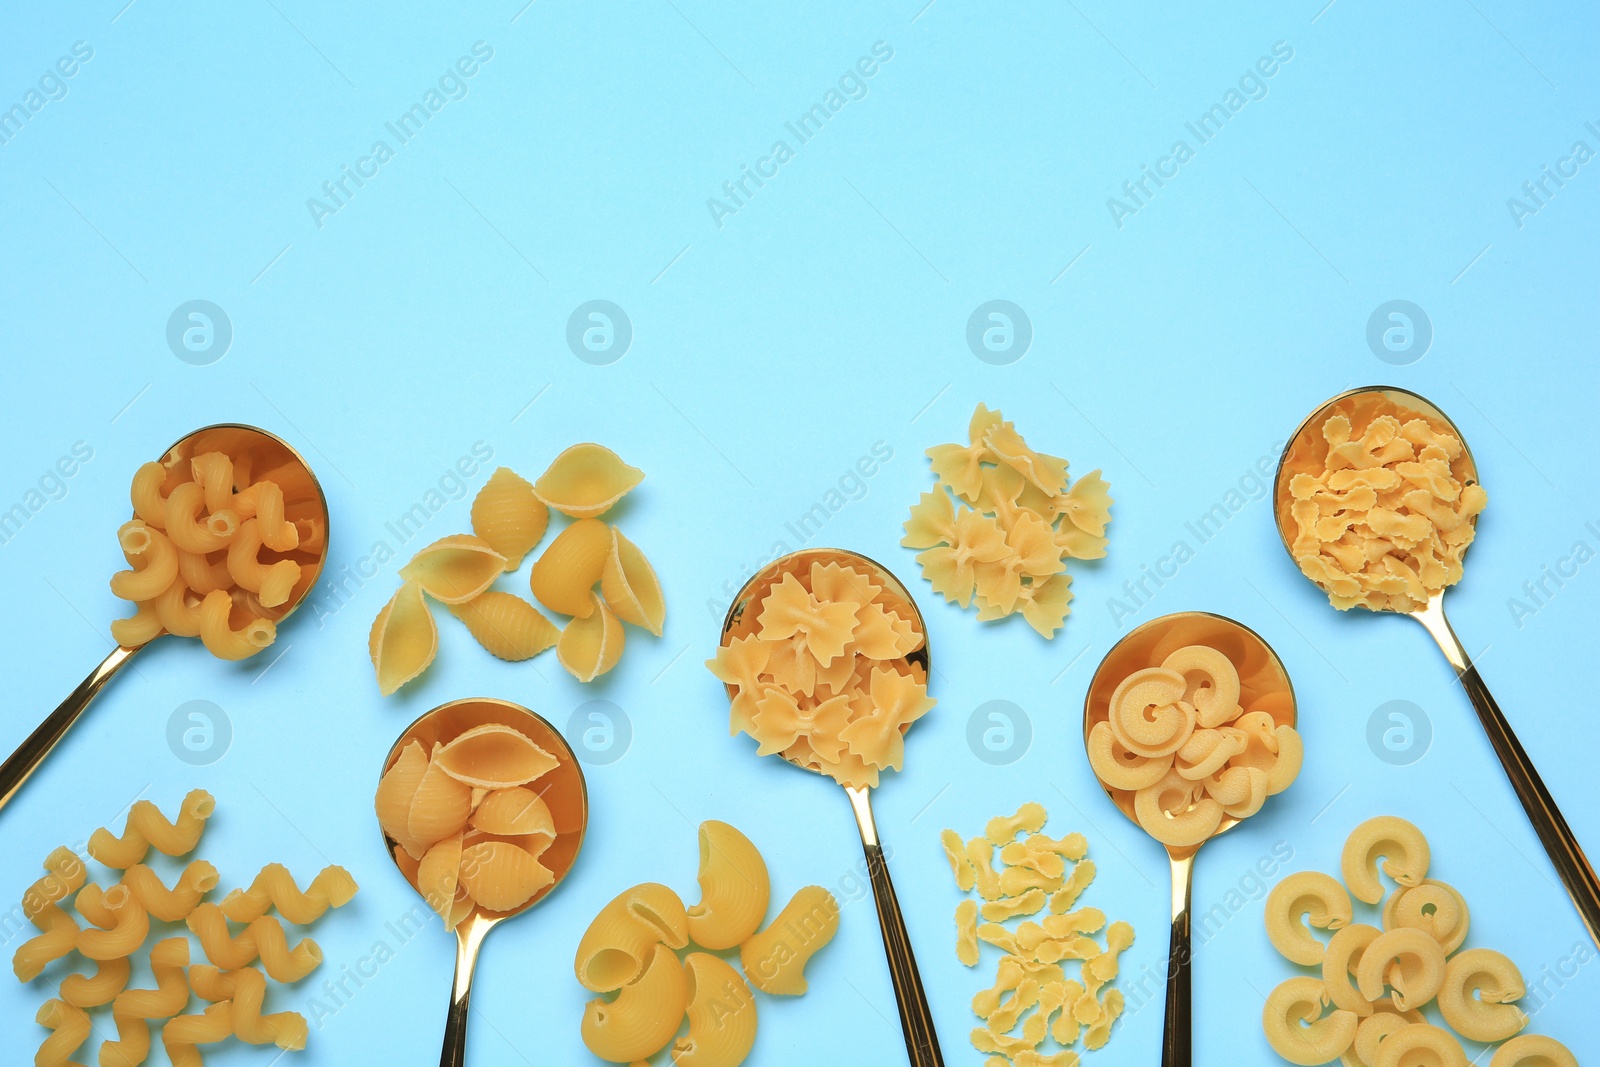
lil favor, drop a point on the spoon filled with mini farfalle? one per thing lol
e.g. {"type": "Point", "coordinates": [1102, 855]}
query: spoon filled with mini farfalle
{"type": "Point", "coordinates": [228, 535]}
{"type": "Point", "coordinates": [1377, 500]}
{"type": "Point", "coordinates": [825, 659]}
{"type": "Point", "coordinates": [1189, 723]}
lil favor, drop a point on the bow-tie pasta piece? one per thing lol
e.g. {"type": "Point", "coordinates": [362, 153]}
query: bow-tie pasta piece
{"type": "Point", "coordinates": [586, 480]}
{"type": "Point", "coordinates": [403, 640]}
{"type": "Point", "coordinates": [508, 516]}
{"type": "Point", "coordinates": [454, 569]}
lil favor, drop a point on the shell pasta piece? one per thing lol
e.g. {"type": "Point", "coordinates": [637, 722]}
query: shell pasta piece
{"type": "Point", "coordinates": [507, 626]}
{"type": "Point", "coordinates": [617, 945]}
{"type": "Point", "coordinates": [454, 569]}
{"type": "Point", "coordinates": [508, 516]}
{"type": "Point", "coordinates": [644, 1015]}
{"type": "Point", "coordinates": [564, 575]}
{"type": "Point", "coordinates": [586, 480]}
{"type": "Point", "coordinates": [500, 876]}
{"type": "Point", "coordinates": [589, 647]}
{"type": "Point", "coordinates": [494, 756]}
{"type": "Point", "coordinates": [403, 639]}
{"type": "Point", "coordinates": [734, 888]}
{"type": "Point", "coordinates": [147, 828]}
{"type": "Point", "coordinates": [630, 586]}
{"type": "Point", "coordinates": [721, 1012]}
{"type": "Point", "coordinates": [774, 960]}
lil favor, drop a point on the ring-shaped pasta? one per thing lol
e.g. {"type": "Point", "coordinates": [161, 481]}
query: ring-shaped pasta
{"type": "Point", "coordinates": [644, 1015]}
{"type": "Point", "coordinates": [1171, 813]}
{"type": "Point", "coordinates": [1383, 1021]}
{"type": "Point", "coordinates": [1401, 846]}
{"type": "Point", "coordinates": [1206, 752]}
{"type": "Point", "coordinates": [1446, 922]}
{"type": "Point", "coordinates": [1211, 682]}
{"type": "Point", "coordinates": [1533, 1050]}
{"type": "Point", "coordinates": [617, 945]}
{"type": "Point", "coordinates": [1297, 1030]}
{"type": "Point", "coordinates": [1476, 997]}
{"type": "Point", "coordinates": [1339, 961]}
{"type": "Point", "coordinates": [1119, 768]}
{"type": "Point", "coordinates": [1408, 960]}
{"type": "Point", "coordinates": [1145, 713]}
{"type": "Point", "coordinates": [1419, 1045]}
{"type": "Point", "coordinates": [734, 888]}
{"type": "Point", "coordinates": [1319, 900]}
{"type": "Point", "coordinates": [1240, 790]}
{"type": "Point", "coordinates": [1286, 768]}
{"type": "Point", "coordinates": [721, 1012]}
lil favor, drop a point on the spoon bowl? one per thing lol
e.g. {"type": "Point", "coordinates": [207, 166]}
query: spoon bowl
{"type": "Point", "coordinates": [563, 790]}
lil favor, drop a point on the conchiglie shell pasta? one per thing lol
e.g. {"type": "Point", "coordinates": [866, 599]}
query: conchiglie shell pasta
{"type": "Point", "coordinates": [493, 756]}
{"type": "Point", "coordinates": [438, 876]}
{"type": "Point", "coordinates": [500, 876]}
{"type": "Point", "coordinates": [644, 1015]}
{"type": "Point", "coordinates": [514, 812]}
{"type": "Point", "coordinates": [630, 585]}
{"type": "Point", "coordinates": [395, 790]}
{"type": "Point", "coordinates": [403, 640]}
{"type": "Point", "coordinates": [734, 888]}
{"type": "Point", "coordinates": [455, 569]}
{"type": "Point", "coordinates": [590, 647]}
{"type": "Point", "coordinates": [507, 626]}
{"type": "Point", "coordinates": [722, 1015]}
{"type": "Point", "coordinates": [439, 807]}
{"type": "Point", "coordinates": [564, 575]}
{"type": "Point", "coordinates": [585, 480]}
{"type": "Point", "coordinates": [508, 516]}
{"type": "Point", "coordinates": [617, 944]}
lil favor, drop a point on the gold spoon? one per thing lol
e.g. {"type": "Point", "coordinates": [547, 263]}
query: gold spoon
{"type": "Point", "coordinates": [562, 789]}
{"type": "Point", "coordinates": [270, 451]}
{"type": "Point", "coordinates": [1559, 842]}
{"type": "Point", "coordinates": [916, 1021]}
{"type": "Point", "coordinates": [1261, 675]}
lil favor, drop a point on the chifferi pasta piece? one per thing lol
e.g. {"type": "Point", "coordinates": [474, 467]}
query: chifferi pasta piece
{"type": "Point", "coordinates": [734, 888]}
{"type": "Point", "coordinates": [1172, 813]}
{"type": "Point", "coordinates": [90, 991]}
{"type": "Point", "coordinates": [131, 925]}
{"type": "Point", "coordinates": [586, 480]}
{"type": "Point", "coordinates": [140, 628]}
{"type": "Point", "coordinates": [1296, 1027]}
{"type": "Point", "coordinates": [1121, 769]}
{"type": "Point", "coordinates": [507, 626]}
{"type": "Point", "coordinates": [722, 1015]}
{"type": "Point", "coordinates": [220, 637]}
{"type": "Point", "coordinates": [153, 559]}
{"type": "Point", "coordinates": [174, 904]}
{"type": "Point", "coordinates": [591, 646]}
{"type": "Point", "coordinates": [508, 516]}
{"type": "Point", "coordinates": [564, 575]}
{"type": "Point", "coordinates": [630, 586]}
{"type": "Point", "coordinates": [1211, 682]}
{"type": "Point", "coordinates": [403, 639]}
{"type": "Point", "coordinates": [69, 1029]}
{"type": "Point", "coordinates": [147, 828]}
{"type": "Point", "coordinates": [1477, 994]}
{"type": "Point", "coordinates": [644, 1015]}
{"type": "Point", "coordinates": [1400, 845]}
{"type": "Point", "coordinates": [1307, 896]}
{"type": "Point", "coordinates": [134, 1008]}
{"type": "Point", "coordinates": [274, 887]}
{"type": "Point", "coordinates": [41, 904]}
{"type": "Point", "coordinates": [272, 582]}
{"type": "Point", "coordinates": [775, 959]}
{"type": "Point", "coordinates": [1533, 1050]}
{"type": "Point", "coordinates": [454, 569]}
{"type": "Point", "coordinates": [617, 944]}
{"type": "Point", "coordinates": [183, 1033]}
{"type": "Point", "coordinates": [246, 989]}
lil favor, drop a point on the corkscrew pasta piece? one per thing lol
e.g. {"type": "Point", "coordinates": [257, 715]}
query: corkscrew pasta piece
{"type": "Point", "coordinates": [403, 639]}
{"type": "Point", "coordinates": [1477, 994]}
{"type": "Point", "coordinates": [508, 517]}
{"type": "Point", "coordinates": [454, 569]}
{"type": "Point", "coordinates": [202, 574]}
{"type": "Point", "coordinates": [1296, 1027]}
{"type": "Point", "coordinates": [1307, 896]}
{"type": "Point", "coordinates": [586, 480]}
{"type": "Point", "coordinates": [1408, 960]}
{"type": "Point", "coordinates": [131, 925]}
{"type": "Point", "coordinates": [147, 828]}
{"type": "Point", "coordinates": [246, 990]}
{"type": "Point", "coordinates": [265, 500]}
{"type": "Point", "coordinates": [1419, 1044]}
{"type": "Point", "coordinates": [494, 756]}
{"type": "Point", "coordinates": [507, 626]}
{"type": "Point", "coordinates": [617, 945]}
{"type": "Point", "coordinates": [564, 576]}
{"type": "Point", "coordinates": [1400, 845]}
{"type": "Point", "coordinates": [734, 888]}
{"type": "Point", "coordinates": [274, 887]}
{"type": "Point", "coordinates": [592, 645]}
{"type": "Point", "coordinates": [262, 939]}
{"type": "Point", "coordinates": [644, 1015]}
{"type": "Point", "coordinates": [184, 1033]}
{"type": "Point", "coordinates": [90, 991]}
{"type": "Point", "coordinates": [1533, 1050]}
{"type": "Point", "coordinates": [177, 609]}
{"type": "Point", "coordinates": [149, 501]}
{"type": "Point", "coordinates": [219, 636]}
{"type": "Point", "coordinates": [134, 1008]}
{"type": "Point", "coordinates": [152, 558]}
{"type": "Point", "coordinates": [140, 628]}
{"type": "Point", "coordinates": [170, 905]}
{"type": "Point", "coordinates": [69, 1029]}
{"type": "Point", "coordinates": [721, 1012]}
{"type": "Point", "coordinates": [41, 904]}
{"type": "Point", "coordinates": [775, 959]}
{"type": "Point", "coordinates": [271, 582]}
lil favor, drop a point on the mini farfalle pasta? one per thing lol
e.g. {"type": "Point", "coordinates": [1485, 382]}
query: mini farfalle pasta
{"type": "Point", "coordinates": [734, 888]}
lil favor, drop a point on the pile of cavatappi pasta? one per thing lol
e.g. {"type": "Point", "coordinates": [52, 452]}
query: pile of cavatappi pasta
{"type": "Point", "coordinates": [509, 518]}
{"type": "Point", "coordinates": [1001, 523]}
{"type": "Point", "coordinates": [1178, 751]}
{"type": "Point", "coordinates": [630, 955]}
{"type": "Point", "coordinates": [818, 672]}
{"type": "Point", "coordinates": [1382, 502]}
{"type": "Point", "coordinates": [1378, 978]}
{"type": "Point", "coordinates": [1032, 989]}
{"type": "Point", "coordinates": [228, 533]}
{"type": "Point", "coordinates": [118, 919]}
{"type": "Point", "coordinates": [467, 822]}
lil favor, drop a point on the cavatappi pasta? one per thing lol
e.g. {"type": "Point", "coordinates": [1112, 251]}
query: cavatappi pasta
{"type": "Point", "coordinates": [214, 554]}
{"type": "Point", "coordinates": [118, 919]}
{"type": "Point", "coordinates": [630, 955]}
{"type": "Point", "coordinates": [589, 571]}
{"type": "Point", "coordinates": [1052, 980]}
{"type": "Point", "coordinates": [1364, 1009]}
{"type": "Point", "coordinates": [1001, 523]}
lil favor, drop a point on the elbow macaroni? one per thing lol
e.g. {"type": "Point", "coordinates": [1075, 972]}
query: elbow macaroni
{"type": "Point", "coordinates": [734, 888]}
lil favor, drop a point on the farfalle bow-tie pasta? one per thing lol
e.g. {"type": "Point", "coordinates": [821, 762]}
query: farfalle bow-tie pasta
{"type": "Point", "coordinates": [818, 671]}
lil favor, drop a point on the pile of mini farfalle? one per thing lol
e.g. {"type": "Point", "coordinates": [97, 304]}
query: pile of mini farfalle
{"type": "Point", "coordinates": [818, 672]}
{"type": "Point", "coordinates": [119, 918]}
{"type": "Point", "coordinates": [1032, 990]}
{"type": "Point", "coordinates": [1382, 503]}
{"type": "Point", "coordinates": [509, 519]}
{"type": "Point", "coordinates": [1001, 523]}
{"type": "Point", "coordinates": [1179, 752]}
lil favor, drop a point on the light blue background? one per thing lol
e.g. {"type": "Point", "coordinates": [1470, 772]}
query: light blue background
{"type": "Point", "coordinates": [828, 314]}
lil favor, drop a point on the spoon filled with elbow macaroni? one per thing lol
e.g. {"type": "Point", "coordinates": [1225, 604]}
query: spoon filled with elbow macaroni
{"type": "Point", "coordinates": [228, 535]}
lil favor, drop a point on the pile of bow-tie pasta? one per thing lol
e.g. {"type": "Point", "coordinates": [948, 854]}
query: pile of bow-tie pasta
{"type": "Point", "coordinates": [1031, 987]}
{"type": "Point", "coordinates": [509, 519]}
{"type": "Point", "coordinates": [1378, 980]}
{"type": "Point", "coordinates": [629, 954]}
{"type": "Point", "coordinates": [1382, 504]}
{"type": "Point", "coordinates": [1001, 523]}
{"type": "Point", "coordinates": [119, 918]}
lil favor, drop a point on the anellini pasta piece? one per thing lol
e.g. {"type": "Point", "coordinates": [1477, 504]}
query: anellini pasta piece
{"type": "Point", "coordinates": [615, 948]}
{"type": "Point", "coordinates": [585, 480]}
{"type": "Point", "coordinates": [775, 959]}
{"type": "Point", "coordinates": [630, 587]}
{"type": "Point", "coordinates": [500, 876]}
{"type": "Point", "coordinates": [564, 576]}
{"type": "Point", "coordinates": [507, 626]}
{"type": "Point", "coordinates": [508, 516]}
{"type": "Point", "coordinates": [721, 1012]}
{"type": "Point", "coordinates": [589, 647]}
{"type": "Point", "coordinates": [644, 1015]}
{"type": "Point", "coordinates": [454, 569]}
{"type": "Point", "coordinates": [494, 756]}
{"type": "Point", "coordinates": [734, 888]}
{"type": "Point", "coordinates": [403, 639]}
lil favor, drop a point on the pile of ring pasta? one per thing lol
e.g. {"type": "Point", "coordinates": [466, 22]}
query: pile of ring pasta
{"type": "Point", "coordinates": [1001, 523]}
{"type": "Point", "coordinates": [1382, 505]}
{"type": "Point", "coordinates": [1179, 752]}
{"type": "Point", "coordinates": [1378, 980]}
{"type": "Point", "coordinates": [509, 519]}
{"type": "Point", "coordinates": [1031, 985]}
{"type": "Point", "coordinates": [818, 672]}
{"type": "Point", "coordinates": [629, 954]}
{"type": "Point", "coordinates": [228, 533]}
{"type": "Point", "coordinates": [119, 918]}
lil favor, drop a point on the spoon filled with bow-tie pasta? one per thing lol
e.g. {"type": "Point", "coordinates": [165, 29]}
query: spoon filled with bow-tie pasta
{"type": "Point", "coordinates": [1189, 724]}
{"type": "Point", "coordinates": [228, 535]}
{"type": "Point", "coordinates": [825, 659]}
{"type": "Point", "coordinates": [1377, 500]}
{"type": "Point", "coordinates": [483, 808]}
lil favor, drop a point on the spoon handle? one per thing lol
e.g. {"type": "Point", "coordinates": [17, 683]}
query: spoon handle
{"type": "Point", "coordinates": [1177, 1038]}
{"type": "Point", "coordinates": [916, 1021]}
{"type": "Point", "coordinates": [32, 752]}
{"type": "Point", "coordinates": [468, 942]}
{"type": "Point", "coordinates": [1559, 842]}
